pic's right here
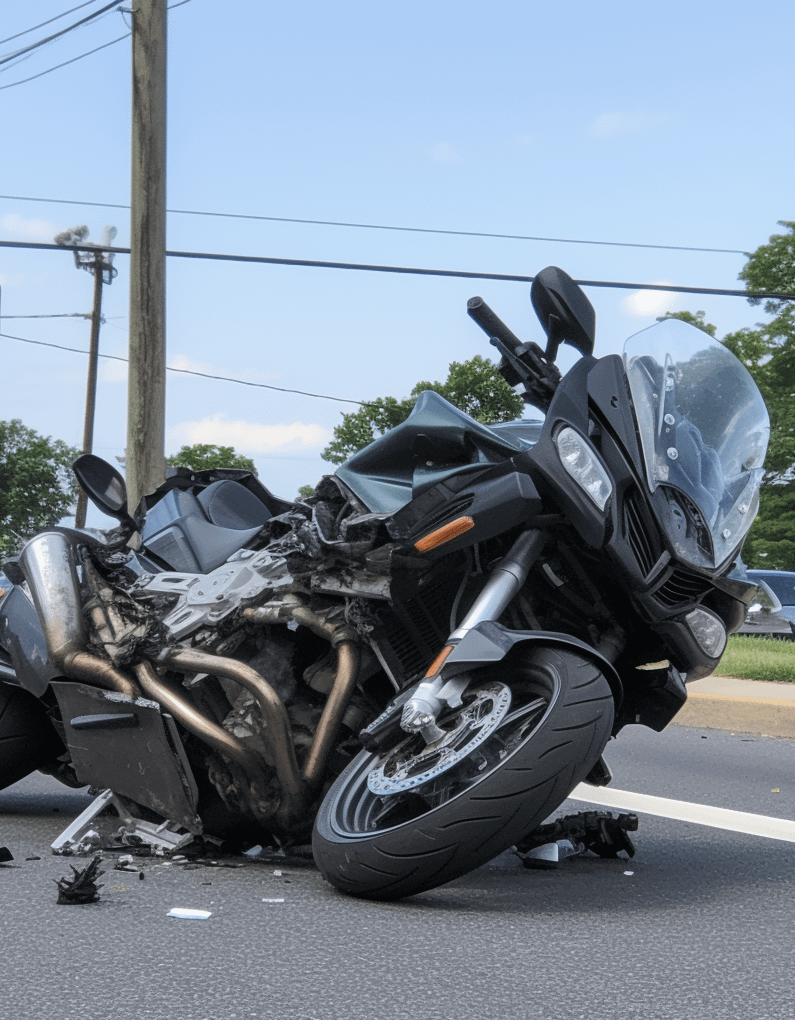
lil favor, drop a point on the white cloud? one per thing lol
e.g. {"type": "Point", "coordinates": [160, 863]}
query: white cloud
{"type": "Point", "coordinates": [29, 230]}
{"type": "Point", "coordinates": [626, 122]}
{"type": "Point", "coordinates": [248, 437]}
{"type": "Point", "coordinates": [642, 304]}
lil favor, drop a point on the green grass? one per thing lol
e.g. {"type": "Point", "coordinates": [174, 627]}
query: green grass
{"type": "Point", "coordinates": [759, 658]}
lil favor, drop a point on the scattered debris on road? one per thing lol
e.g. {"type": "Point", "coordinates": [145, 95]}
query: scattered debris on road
{"type": "Point", "coordinates": [599, 832]}
{"type": "Point", "coordinates": [82, 887]}
{"type": "Point", "coordinates": [189, 914]}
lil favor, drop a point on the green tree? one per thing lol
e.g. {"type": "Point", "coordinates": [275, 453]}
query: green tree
{"type": "Point", "coordinates": [204, 455]}
{"type": "Point", "coordinates": [772, 268]}
{"type": "Point", "coordinates": [475, 386]}
{"type": "Point", "coordinates": [696, 319]}
{"type": "Point", "coordinates": [37, 487]}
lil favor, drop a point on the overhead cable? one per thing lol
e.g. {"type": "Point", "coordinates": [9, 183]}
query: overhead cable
{"type": "Point", "coordinates": [190, 371]}
{"type": "Point", "coordinates": [383, 226]}
{"type": "Point", "coordinates": [47, 22]}
{"type": "Point", "coordinates": [56, 35]}
{"type": "Point", "coordinates": [411, 270]}
{"type": "Point", "coordinates": [41, 74]}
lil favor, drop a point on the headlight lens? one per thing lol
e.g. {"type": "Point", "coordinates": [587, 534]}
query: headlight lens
{"type": "Point", "coordinates": [708, 630]}
{"type": "Point", "coordinates": [580, 461]}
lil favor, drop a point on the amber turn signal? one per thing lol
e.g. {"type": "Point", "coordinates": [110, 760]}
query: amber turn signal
{"type": "Point", "coordinates": [444, 534]}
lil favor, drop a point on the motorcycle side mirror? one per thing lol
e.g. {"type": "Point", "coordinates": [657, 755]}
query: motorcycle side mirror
{"type": "Point", "coordinates": [564, 311]}
{"type": "Point", "coordinates": [104, 486]}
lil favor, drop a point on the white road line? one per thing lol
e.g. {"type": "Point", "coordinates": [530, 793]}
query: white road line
{"type": "Point", "coordinates": [685, 811]}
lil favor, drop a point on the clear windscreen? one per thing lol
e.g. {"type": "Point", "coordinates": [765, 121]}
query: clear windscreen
{"type": "Point", "coordinates": [703, 425]}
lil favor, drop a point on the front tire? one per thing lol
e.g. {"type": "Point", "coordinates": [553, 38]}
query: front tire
{"type": "Point", "coordinates": [388, 847]}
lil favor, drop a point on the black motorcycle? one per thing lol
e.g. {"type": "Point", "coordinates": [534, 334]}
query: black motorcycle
{"type": "Point", "coordinates": [427, 656]}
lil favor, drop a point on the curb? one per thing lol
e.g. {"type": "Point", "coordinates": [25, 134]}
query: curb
{"type": "Point", "coordinates": [740, 706]}
{"type": "Point", "coordinates": [764, 717]}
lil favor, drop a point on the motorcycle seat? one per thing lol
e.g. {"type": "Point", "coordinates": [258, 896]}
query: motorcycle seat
{"type": "Point", "coordinates": [228, 504]}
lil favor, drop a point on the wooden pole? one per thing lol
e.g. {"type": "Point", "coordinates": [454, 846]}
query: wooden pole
{"type": "Point", "coordinates": [147, 379]}
{"type": "Point", "coordinates": [91, 381]}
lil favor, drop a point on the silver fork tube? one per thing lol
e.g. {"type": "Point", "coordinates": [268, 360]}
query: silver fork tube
{"type": "Point", "coordinates": [506, 579]}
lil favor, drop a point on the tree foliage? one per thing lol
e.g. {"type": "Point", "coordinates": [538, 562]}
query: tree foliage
{"type": "Point", "coordinates": [37, 487]}
{"type": "Point", "coordinates": [696, 319]}
{"type": "Point", "coordinates": [474, 386]}
{"type": "Point", "coordinates": [772, 268]}
{"type": "Point", "coordinates": [205, 455]}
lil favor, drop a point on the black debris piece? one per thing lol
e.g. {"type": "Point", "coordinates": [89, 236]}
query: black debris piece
{"type": "Point", "coordinates": [82, 888]}
{"type": "Point", "coordinates": [5, 855]}
{"type": "Point", "coordinates": [598, 831]}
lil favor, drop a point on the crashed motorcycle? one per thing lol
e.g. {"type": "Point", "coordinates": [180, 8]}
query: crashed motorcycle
{"type": "Point", "coordinates": [418, 664]}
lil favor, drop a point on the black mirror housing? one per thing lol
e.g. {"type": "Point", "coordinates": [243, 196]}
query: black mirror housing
{"type": "Point", "coordinates": [104, 486]}
{"type": "Point", "coordinates": [565, 313]}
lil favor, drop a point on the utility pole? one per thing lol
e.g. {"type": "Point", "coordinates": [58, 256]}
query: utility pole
{"type": "Point", "coordinates": [99, 262]}
{"type": "Point", "coordinates": [147, 378]}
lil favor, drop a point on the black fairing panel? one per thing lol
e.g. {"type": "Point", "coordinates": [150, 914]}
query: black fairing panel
{"type": "Point", "coordinates": [21, 635]}
{"type": "Point", "coordinates": [436, 442]}
{"type": "Point", "coordinates": [569, 407]}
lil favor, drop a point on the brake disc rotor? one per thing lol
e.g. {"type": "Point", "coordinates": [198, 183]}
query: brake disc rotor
{"type": "Point", "coordinates": [466, 729]}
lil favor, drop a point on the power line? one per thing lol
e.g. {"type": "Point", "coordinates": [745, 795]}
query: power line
{"type": "Point", "coordinates": [56, 35]}
{"type": "Point", "coordinates": [41, 74]}
{"type": "Point", "coordinates": [414, 270]}
{"type": "Point", "coordinates": [189, 371]}
{"type": "Point", "coordinates": [382, 226]}
{"type": "Point", "coordinates": [48, 22]}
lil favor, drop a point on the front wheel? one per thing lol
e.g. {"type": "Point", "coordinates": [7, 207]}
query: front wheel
{"type": "Point", "coordinates": [388, 846]}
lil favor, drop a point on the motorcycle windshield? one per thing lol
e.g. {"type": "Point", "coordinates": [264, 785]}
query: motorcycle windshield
{"type": "Point", "coordinates": [703, 426]}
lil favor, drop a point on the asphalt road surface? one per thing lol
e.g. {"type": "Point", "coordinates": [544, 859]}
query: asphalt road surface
{"type": "Point", "coordinates": [698, 925]}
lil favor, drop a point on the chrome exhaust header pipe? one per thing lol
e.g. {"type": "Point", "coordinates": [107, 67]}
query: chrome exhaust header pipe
{"type": "Point", "coordinates": [50, 566]}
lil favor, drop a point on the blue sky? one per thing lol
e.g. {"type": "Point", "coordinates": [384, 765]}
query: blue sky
{"type": "Point", "coordinates": [666, 124]}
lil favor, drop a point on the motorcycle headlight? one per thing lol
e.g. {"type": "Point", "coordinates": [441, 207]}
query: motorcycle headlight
{"type": "Point", "coordinates": [708, 630]}
{"type": "Point", "coordinates": [579, 459]}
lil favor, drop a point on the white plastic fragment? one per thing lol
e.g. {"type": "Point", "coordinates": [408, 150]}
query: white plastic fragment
{"type": "Point", "coordinates": [253, 851]}
{"type": "Point", "coordinates": [189, 913]}
{"type": "Point", "coordinates": [629, 872]}
{"type": "Point", "coordinates": [279, 900]}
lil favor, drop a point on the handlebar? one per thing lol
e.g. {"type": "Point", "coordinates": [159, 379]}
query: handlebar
{"type": "Point", "coordinates": [522, 364]}
{"type": "Point", "coordinates": [491, 323]}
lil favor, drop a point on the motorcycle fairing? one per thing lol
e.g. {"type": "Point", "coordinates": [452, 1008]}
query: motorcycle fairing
{"type": "Point", "coordinates": [435, 443]}
{"type": "Point", "coordinates": [130, 746]}
{"type": "Point", "coordinates": [22, 636]}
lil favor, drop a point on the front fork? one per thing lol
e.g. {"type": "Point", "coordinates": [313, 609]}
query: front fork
{"type": "Point", "coordinates": [434, 693]}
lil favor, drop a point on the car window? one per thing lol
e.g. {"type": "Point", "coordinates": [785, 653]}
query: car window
{"type": "Point", "coordinates": [782, 583]}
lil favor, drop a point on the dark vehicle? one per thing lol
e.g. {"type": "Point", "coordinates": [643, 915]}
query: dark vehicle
{"type": "Point", "coordinates": [426, 657]}
{"type": "Point", "coordinates": [772, 611]}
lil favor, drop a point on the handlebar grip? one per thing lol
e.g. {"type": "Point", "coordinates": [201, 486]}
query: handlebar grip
{"type": "Point", "coordinates": [491, 323]}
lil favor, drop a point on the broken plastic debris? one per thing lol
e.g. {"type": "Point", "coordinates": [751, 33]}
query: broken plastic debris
{"type": "Point", "coordinates": [275, 900]}
{"type": "Point", "coordinates": [5, 855]}
{"type": "Point", "coordinates": [126, 863]}
{"type": "Point", "coordinates": [775, 790]}
{"type": "Point", "coordinates": [629, 872]}
{"type": "Point", "coordinates": [253, 851]}
{"type": "Point", "coordinates": [189, 914]}
{"type": "Point", "coordinates": [597, 831]}
{"type": "Point", "coordinates": [82, 887]}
